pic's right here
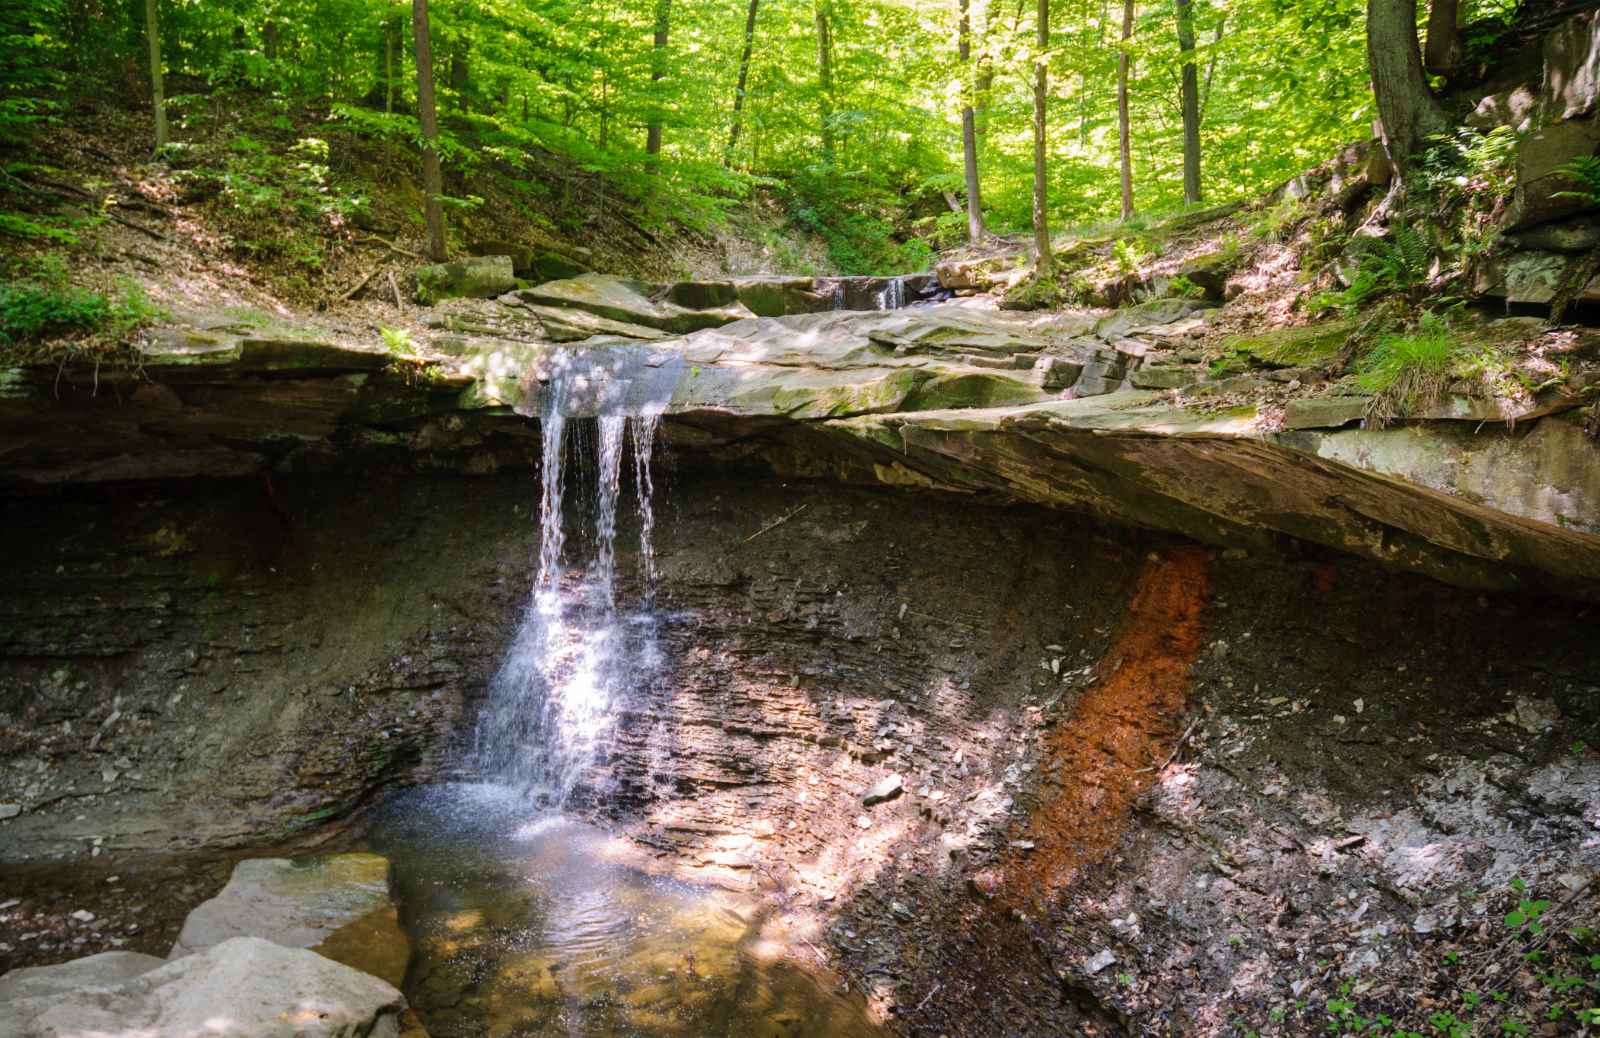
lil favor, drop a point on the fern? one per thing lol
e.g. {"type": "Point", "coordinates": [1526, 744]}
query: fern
{"type": "Point", "coordinates": [1400, 263]}
{"type": "Point", "coordinates": [1585, 172]}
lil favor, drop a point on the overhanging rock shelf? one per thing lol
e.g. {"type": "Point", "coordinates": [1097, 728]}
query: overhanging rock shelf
{"type": "Point", "coordinates": [1075, 410]}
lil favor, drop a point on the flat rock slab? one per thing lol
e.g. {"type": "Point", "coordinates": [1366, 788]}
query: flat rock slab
{"type": "Point", "coordinates": [298, 904]}
{"type": "Point", "coordinates": [244, 988]}
{"type": "Point", "coordinates": [631, 302]}
{"type": "Point", "coordinates": [103, 970]}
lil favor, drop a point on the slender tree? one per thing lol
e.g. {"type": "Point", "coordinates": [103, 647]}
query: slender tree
{"type": "Point", "coordinates": [1442, 52]}
{"type": "Point", "coordinates": [427, 116]}
{"type": "Point", "coordinates": [1407, 109]}
{"type": "Point", "coordinates": [157, 94]}
{"type": "Point", "coordinates": [1191, 102]}
{"type": "Point", "coordinates": [969, 129]}
{"type": "Point", "coordinates": [1124, 126]}
{"type": "Point", "coordinates": [658, 72]}
{"type": "Point", "coordinates": [825, 77]}
{"type": "Point", "coordinates": [744, 79]}
{"type": "Point", "coordinates": [1045, 263]}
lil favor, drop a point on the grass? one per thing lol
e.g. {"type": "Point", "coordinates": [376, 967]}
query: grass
{"type": "Point", "coordinates": [1407, 372]}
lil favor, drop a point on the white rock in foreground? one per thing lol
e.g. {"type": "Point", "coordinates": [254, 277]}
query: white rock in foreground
{"type": "Point", "coordinates": [243, 988]}
{"type": "Point", "coordinates": [103, 970]}
{"type": "Point", "coordinates": [293, 903]}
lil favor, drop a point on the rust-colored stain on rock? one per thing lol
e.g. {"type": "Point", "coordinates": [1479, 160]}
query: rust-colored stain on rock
{"type": "Point", "coordinates": [1096, 761]}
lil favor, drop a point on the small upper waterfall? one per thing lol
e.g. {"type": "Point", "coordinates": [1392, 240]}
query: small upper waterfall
{"type": "Point", "coordinates": [553, 703]}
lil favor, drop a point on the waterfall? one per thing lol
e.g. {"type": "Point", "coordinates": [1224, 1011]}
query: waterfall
{"type": "Point", "coordinates": [553, 703]}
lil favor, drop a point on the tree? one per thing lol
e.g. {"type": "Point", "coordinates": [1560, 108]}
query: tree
{"type": "Point", "coordinates": [969, 129]}
{"type": "Point", "coordinates": [1124, 124]}
{"type": "Point", "coordinates": [744, 79]}
{"type": "Point", "coordinates": [658, 72]}
{"type": "Point", "coordinates": [825, 78]}
{"type": "Point", "coordinates": [153, 31]}
{"type": "Point", "coordinates": [1443, 51]}
{"type": "Point", "coordinates": [428, 117]}
{"type": "Point", "coordinates": [1191, 102]}
{"type": "Point", "coordinates": [1044, 263]}
{"type": "Point", "coordinates": [1407, 109]}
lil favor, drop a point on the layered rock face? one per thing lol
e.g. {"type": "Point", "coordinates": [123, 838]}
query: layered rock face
{"type": "Point", "coordinates": [1054, 722]}
{"type": "Point", "coordinates": [1106, 414]}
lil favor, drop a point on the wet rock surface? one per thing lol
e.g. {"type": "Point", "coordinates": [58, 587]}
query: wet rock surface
{"type": "Point", "coordinates": [1336, 735]}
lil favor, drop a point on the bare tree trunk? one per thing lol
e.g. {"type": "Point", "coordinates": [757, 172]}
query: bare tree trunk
{"type": "Point", "coordinates": [1045, 264]}
{"type": "Point", "coordinates": [658, 72]}
{"type": "Point", "coordinates": [1407, 109]}
{"type": "Point", "coordinates": [389, 27]}
{"type": "Point", "coordinates": [744, 78]}
{"type": "Point", "coordinates": [1191, 103]}
{"type": "Point", "coordinates": [1124, 129]}
{"type": "Point", "coordinates": [432, 176]}
{"type": "Point", "coordinates": [157, 94]}
{"type": "Point", "coordinates": [969, 129]}
{"type": "Point", "coordinates": [825, 78]}
{"type": "Point", "coordinates": [1443, 50]}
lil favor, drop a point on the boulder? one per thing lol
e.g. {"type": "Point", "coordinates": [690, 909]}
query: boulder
{"type": "Point", "coordinates": [521, 255]}
{"type": "Point", "coordinates": [1534, 200]}
{"type": "Point", "coordinates": [243, 988]}
{"type": "Point", "coordinates": [1515, 108]}
{"type": "Point", "coordinates": [1577, 235]}
{"type": "Point", "coordinates": [1571, 83]}
{"type": "Point", "coordinates": [1211, 271]}
{"type": "Point", "coordinates": [633, 302]}
{"type": "Point", "coordinates": [553, 266]}
{"type": "Point", "coordinates": [297, 904]}
{"type": "Point", "coordinates": [1155, 313]}
{"type": "Point", "coordinates": [1324, 412]}
{"type": "Point", "coordinates": [780, 296]}
{"type": "Point", "coordinates": [476, 277]}
{"type": "Point", "coordinates": [1529, 277]}
{"type": "Point", "coordinates": [95, 971]}
{"type": "Point", "coordinates": [1165, 376]}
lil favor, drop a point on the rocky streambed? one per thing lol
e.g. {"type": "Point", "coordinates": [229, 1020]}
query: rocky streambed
{"type": "Point", "coordinates": [1018, 698]}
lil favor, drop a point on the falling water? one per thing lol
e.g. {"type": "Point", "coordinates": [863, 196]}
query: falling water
{"type": "Point", "coordinates": [644, 438]}
{"type": "Point", "coordinates": [553, 703]}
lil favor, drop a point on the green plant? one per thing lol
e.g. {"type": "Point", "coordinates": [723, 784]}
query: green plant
{"type": "Point", "coordinates": [33, 311]}
{"type": "Point", "coordinates": [1407, 372]}
{"type": "Point", "coordinates": [397, 341]}
{"type": "Point", "coordinates": [1129, 254]}
{"type": "Point", "coordinates": [1181, 287]}
{"type": "Point", "coordinates": [1584, 171]}
{"type": "Point", "coordinates": [1399, 263]}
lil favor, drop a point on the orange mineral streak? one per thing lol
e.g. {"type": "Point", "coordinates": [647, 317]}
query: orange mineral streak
{"type": "Point", "coordinates": [1096, 761]}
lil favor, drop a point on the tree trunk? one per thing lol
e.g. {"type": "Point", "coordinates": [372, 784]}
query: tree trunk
{"type": "Point", "coordinates": [389, 32]}
{"type": "Point", "coordinates": [969, 130]}
{"type": "Point", "coordinates": [157, 95]}
{"type": "Point", "coordinates": [744, 78]}
{"type": "Point", "coordinates": [428, 117]}
{"type": "Point", "coordinates": [1443, 51]}
{"type": "Point", "coordinates": [1044, 265]}
{"type": "Point", "coordinates": [825, 78]}
{"type": "Point", "coordinates": [658, 71]}
{"type": "Point", "coordinates": [1407, 109]}
{"type": "Point", "coordinates": [1124, 129]}
{"type": "Point", "coordinates": [1191, 103]}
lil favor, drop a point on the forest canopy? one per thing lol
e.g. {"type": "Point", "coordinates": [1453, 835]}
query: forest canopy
{"type": "Point", "coordinates": [850, 112]}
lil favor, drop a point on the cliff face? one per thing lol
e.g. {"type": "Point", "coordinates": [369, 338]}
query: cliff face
{"type": "Point", "coordinates": [1108, 743]}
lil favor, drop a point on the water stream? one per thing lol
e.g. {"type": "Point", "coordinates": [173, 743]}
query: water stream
{"type": "Point", "coordinates": [526, 921]}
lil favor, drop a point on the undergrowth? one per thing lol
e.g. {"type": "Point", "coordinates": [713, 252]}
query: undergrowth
{"type": "Point", "coordinates": [45, 306]}
{"type": "Point", "coordinates": [1408, 371]}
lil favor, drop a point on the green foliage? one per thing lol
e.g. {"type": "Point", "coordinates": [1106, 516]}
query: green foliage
{"type": "Point", "coordinates": [1407, 371]}
{"type": "Point", "coordinates": [1584, 171]}
{"type": "Point", "coordinates": [1398, 264]}
{"type": "Point", "coordinates": [397, 341]}
{"type": "Point", "coordinates": [1129, 254]}
{"type": "Point", "coordinates": [33, 311]}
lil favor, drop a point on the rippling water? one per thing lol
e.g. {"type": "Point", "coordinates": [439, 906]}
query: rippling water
{"type": "Point", "coordinates": [530, 926]}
